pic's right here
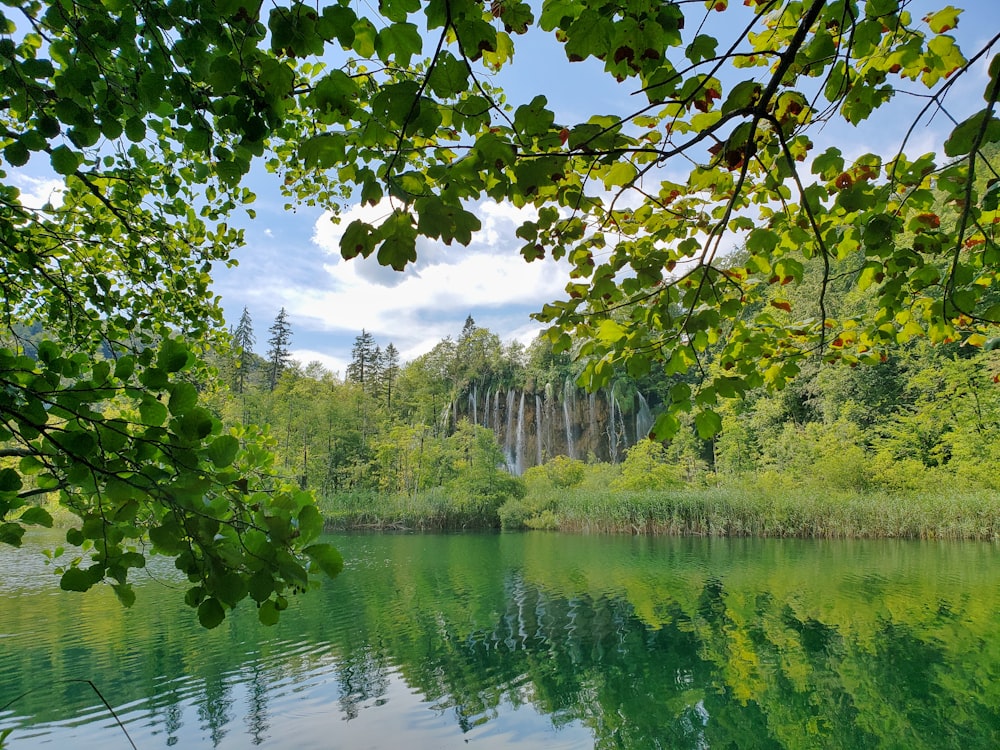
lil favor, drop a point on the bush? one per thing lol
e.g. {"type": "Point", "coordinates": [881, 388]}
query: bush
{"type": "Point", "coordinates": [646, 468]}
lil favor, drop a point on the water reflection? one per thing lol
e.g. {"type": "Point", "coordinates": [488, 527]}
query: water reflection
{"type": "Point", "coordinates": [532, 641]}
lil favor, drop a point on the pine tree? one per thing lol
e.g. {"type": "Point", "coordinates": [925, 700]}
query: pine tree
{"type": "Point", "coordinates": [362, 359]}
{"type": "Point", "coordinates": [244, 341]}
{"type": "Point", "coordinates": [390, 369]}
{"type": "Point", "coordinates": [278, 355]}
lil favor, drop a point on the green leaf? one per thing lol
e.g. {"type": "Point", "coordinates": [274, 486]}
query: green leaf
{"type": "Point", "coordinates": [621, 173]}
{"type": "Point", "coordinates": [326, 557]}
{"type": "Point", "coordinates": [943, 20]}
{"type": "Point", "coordinates": [124, 367]}
{"type": "Point", "coordinates": [359, 239]}
{"type": "Point", "coordinates": [125, 593]}
{"type": "Point", "coordinates": [76, 579]}
{"type": "Point", "coordinates": [167, 539]}
{"type": "Point", "coordinates": [37, 516]}
{"type": "Point", "coordinates": [211, 613]}
{"type": "Point", "coordinates": [398, 41]}
{"type": "Point", "coordinates": [534, 118]}
{"type": "Point", "coordinates": [152, 412]}
{"type": "Point", "coordinates": [400, 239]}
{"type": "Point", "coordinates": [226, 73]}
{"type": "Point", "coordinates": [323, 151]}
{"type": "Point", "coordinates": [222, 451]}
{"type": "Point", "coordinates": [10, 480]}
{"type": "Point", "coordinates": [230, 588]}
{"type": "Point", "coordinates": [195, 424]}
{"type": "Point", "coordinates": [310, 523]}
{"type": "Point", "coordinates": [183, 396]}
{"type": "Point", "coordinates": [268, 613]}
{"type": "Point", "coordinates": [708, 424]}
{"type": "Point", "coordinates": [65, 161]}
{"type": "Point", "coordinates": [964, 136]}
{"type": "Point", "coordinates": [173, 355]}
{"type": "Point", "coordinates": [260, 585]}
{"type": "Point", "coordinates": [135, 129]}
{"type": "Point", "coordinates": [11, 533]}
{"type": "Point", "coordinates": [590, 34]}
{"type": "Point", "coordinates": [16, 154]}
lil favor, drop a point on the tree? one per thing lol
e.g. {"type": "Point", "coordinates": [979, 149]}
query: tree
{"type": "Point", "coordinates": [364, 354]}
{"type": "Point", "coordinates": [278, 355]}
{"type": "Point", "coordinates": [244, 341]}
{"type": "Point", "coordinates": [152, 113]}
{"type": "Point", "coordinates": [390, 369]}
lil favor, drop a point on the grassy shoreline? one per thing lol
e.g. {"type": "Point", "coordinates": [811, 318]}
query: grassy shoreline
{"type": "Point", "coordinates": [700, 511]}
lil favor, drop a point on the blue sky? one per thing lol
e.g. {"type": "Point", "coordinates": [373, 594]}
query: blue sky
{"type": "Point", "coordinates": [291, 258]}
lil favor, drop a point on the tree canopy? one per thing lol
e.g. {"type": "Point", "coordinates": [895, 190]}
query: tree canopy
{"type": "Point", "coordinates": [704, 221]}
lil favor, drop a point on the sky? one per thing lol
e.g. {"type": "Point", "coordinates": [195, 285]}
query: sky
{"type": "Point", "coordinates": [291, 259]}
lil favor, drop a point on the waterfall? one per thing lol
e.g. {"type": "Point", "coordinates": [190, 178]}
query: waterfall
{"type": "Point", "coordinates": [519, 447]}
{"type": "Point", "coordinates": [592, 420]}
{"type": "Point", "coordinates": [569, 393]}
{"type": "Point", "coordinates": [472, 405]}
{"type": "Point", "coordinates": [643, 419]}
{"type": "Point", "coordinates": [486, 409]}
{"type": "Point", "coordinates": [539, 426]}
{"type": "Point", "coordinates": [612, 431]}
{"type": "Point", "coordinates": [496, 413]}
{"type": "Point", "coordinates": [508, 444]}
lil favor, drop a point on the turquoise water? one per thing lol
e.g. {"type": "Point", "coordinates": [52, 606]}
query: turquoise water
{"type": "Point", "coordinates": [527, 641]}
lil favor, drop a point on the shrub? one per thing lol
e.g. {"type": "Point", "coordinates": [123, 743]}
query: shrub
{"type": "Point", "coordinates": [646, 468]}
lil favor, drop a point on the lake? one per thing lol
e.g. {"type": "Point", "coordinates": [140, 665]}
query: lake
{"type": "Point", "coordinates": [527, 641]}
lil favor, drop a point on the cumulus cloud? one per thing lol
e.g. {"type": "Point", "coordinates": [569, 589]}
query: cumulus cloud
{"type": "Point", "coordinates": [335, 365]}
{"type": "Point", "coordinates": [430, 300]}
{"type": "Point", "coordinates": [36, 192]}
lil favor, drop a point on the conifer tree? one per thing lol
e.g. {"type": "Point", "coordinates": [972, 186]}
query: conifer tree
{"type": "Point", "coordinates": [244, 341]}
{"type": "Point", "coordinates": [363, 356]}
{"type": "Point", "coordinates": [390, 369]}
{"type": "Point", "coordinates": [278, 355]}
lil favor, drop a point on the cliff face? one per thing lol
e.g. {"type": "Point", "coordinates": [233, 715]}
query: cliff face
{"type": "Point", "coordinates": [533, 427]}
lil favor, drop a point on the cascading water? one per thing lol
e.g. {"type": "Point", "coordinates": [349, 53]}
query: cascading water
{"type": "Point", "coordinates": [539, 426]}
{"type": "Point", "coordinates": [509, 437]}
{"type": "Point", "coordinates": [612, 427]}
{"type": "Point", "coordinates": [592, 420]}
{"type": "Point", "coordinates": [472, 405]}
{"type": "Point", "coordinates": [569, 394]}
{"type": "Point", "coordinates": [486, 409]}
{"type": "Point", "coordinates": [643, 419]}
{"type": "Point", "coordinates": [519, 447]}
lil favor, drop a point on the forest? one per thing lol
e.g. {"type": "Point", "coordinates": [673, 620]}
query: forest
{"type": "Point", "coordinates": [481, 433]}
{"type": "Point", "coordinates": [804, 328]}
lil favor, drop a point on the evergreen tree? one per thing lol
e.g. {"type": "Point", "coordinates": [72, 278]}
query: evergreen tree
{"type": "Point", "coordinates": [363, 356]}
{"type": "Point", "coordinates": [467, 329]}
{"type": "Point", "coordinates": [278, 355]}
{"type": "Point", "coordinates": [244, 341]}
{"type": "Point", "coordinates": [390, 369]}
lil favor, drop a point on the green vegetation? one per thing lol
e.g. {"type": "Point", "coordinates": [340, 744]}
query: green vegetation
{"type": "Point", "coordinates": [150, 115]}
{"type": "Point", "coordinates": [902, 449]}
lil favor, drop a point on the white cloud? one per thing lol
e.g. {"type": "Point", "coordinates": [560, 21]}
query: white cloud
{"type": "Point", "coordinates": [336, 365]}
{"type": "Point", "coordinates": [36, 192]}
{"type": "Point", "coordinates": [423, 304]}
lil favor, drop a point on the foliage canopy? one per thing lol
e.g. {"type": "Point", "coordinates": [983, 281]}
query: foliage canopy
{"type": "Point", "coordinates": [153, 113]}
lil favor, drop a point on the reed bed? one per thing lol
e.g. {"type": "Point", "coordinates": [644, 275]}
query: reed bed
{"type": "Point", "coordinates": [698, 511]}
{"type": "Point", "coordinates": [790, 513]}
{"type": "Point", "coordinates": [426, 511]}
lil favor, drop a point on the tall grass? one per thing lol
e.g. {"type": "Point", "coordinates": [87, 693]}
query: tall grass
{"type": "Point", "coordinates": [751, 511]}
{"type": "Point", "coordinates": [434, 509]}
